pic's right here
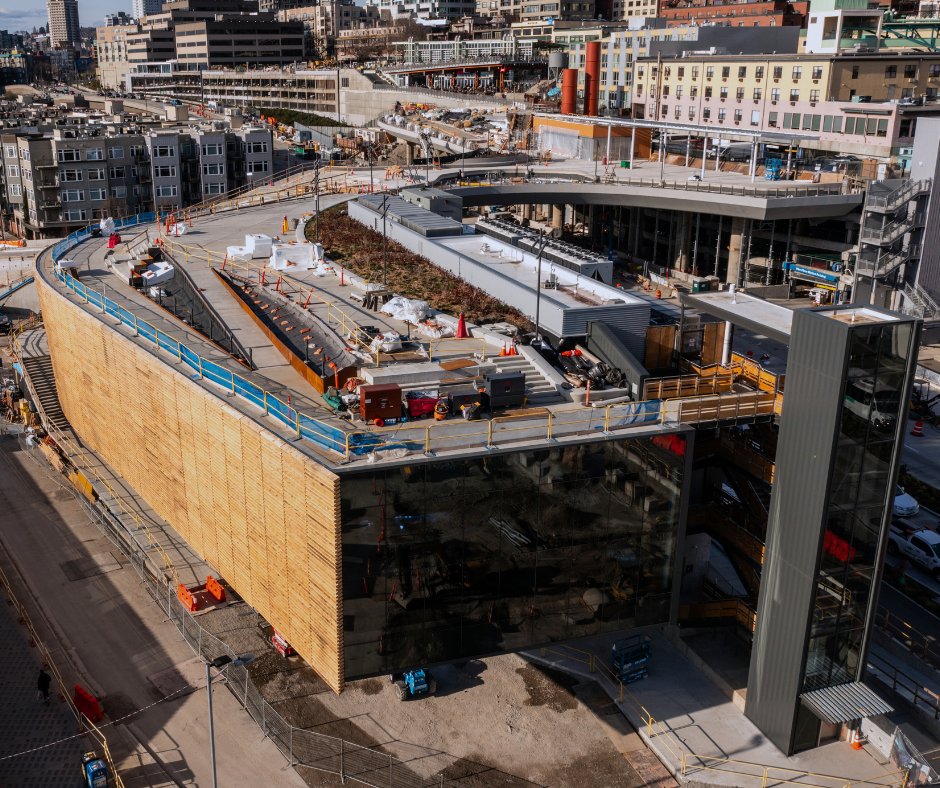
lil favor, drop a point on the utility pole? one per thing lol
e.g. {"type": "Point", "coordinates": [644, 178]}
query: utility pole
{"type": "Point", "coordinates": [384, 242]}
{"type": "Point", "coordinates": [316, 192]}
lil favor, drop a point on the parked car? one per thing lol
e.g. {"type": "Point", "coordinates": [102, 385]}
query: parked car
{"type": "Point", "coordinates": [905, 505]}
{"type": "Point", "coordinates": [921, 546]}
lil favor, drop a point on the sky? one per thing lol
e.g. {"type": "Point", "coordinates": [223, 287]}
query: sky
{"type": "Point", "coordinates": [19, 15]}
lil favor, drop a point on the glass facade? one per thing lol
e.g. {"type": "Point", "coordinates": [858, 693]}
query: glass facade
{"type": "Point", "coordinates": [860, 493]}
{"type": "Point", "coordinates": [476, 555]}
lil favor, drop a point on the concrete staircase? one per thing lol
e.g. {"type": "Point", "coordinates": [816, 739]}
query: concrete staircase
{"type": "Point", "coordinates": [42, 383]}
{"type": "Point", "coordinates": [539, 391]}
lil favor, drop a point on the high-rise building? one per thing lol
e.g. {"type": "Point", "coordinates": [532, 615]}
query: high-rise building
{"type": "Point", "coordinates": [142, 8]}
{"type": "Point", "coordinates": [64, 29]}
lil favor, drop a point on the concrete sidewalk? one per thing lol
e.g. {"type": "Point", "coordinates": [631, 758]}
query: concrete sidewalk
{"type": "Point", "coordinates": [119, 644]}
{"type": "Point", "coordinates": [697, 719]}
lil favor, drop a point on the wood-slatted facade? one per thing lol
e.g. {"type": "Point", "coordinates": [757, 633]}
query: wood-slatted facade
{"type": "Point", "coordinates": [265, 515]}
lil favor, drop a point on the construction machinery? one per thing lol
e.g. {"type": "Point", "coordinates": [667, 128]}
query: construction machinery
{"type": "Point", "coordinates": [414, 683]}
{"type": "Point", "coordinates": [631, 658]}
{"type": "Point", "coordinates": [94, 771]}
{"type": "Point", "coordinates": [773, 169]}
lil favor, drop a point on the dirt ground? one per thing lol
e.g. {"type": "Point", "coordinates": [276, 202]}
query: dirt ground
{"type": "Point", "coordinates": [498, 721]}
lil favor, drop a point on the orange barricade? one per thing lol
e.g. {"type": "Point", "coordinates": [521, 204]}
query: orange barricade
{"type": "Point", "coordinates": [87, 704]}
{"type": "Point", "coordinates": [214, 587]}
{"type": "Point", "coordinates": [188, 600]}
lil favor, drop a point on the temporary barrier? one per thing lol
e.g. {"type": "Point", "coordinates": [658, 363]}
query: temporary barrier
{"type": "Point", "coordinates": [87, 704]}
{"type": "Point", "coordinates": [187, 599]}
{"type": "Point", "coordinates": [214, 587]}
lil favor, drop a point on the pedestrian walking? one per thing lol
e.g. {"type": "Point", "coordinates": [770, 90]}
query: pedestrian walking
{"type": "Point", "coordinates": [43, 685]}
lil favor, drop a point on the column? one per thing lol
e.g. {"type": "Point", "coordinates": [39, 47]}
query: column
{"type": "Point", "coordinates": [735, 250]}
{"type": "Point", "coordinates": [558, 217]}
{"type": "Point", "coordinates": [683, 238]}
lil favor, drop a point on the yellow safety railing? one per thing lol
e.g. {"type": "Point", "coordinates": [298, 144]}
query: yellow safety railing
{"type": "Point", "coordinates": [81, 460]}
{"type": "Point", "coordinates": [89, 727]}
{"type": "Point", "coordinates": [686, 763]}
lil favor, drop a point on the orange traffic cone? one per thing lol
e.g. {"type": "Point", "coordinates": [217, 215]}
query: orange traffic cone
{"type": "Point", "coordinates": [918, 431]}
{"type": "Point", "coordinates": [502, 350]}
{"type": "Point", "coordinates": [462, 332]}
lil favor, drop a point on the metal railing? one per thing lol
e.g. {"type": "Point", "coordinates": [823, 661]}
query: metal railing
{"type": "Point", "coordinates": [814, 190]}
{"type": "Point", "coordinates": [900, 195]}
{"type": "Point", "coordinates": [684, 763]}
{"type": "Point", "coordinates": [904, 685]}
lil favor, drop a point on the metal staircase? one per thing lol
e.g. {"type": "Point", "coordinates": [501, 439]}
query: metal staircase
{"type": "Point", "coordinates": [41, 380]}
{"type": "Point", "coordinates": [919, 303]}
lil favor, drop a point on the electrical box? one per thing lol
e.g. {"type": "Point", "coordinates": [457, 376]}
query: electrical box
{"type": "Point", "coordinates": [505, 389]}
{"type": "Point", "coordinates": [380, 402]}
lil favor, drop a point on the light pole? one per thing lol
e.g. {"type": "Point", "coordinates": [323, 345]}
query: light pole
{"type": "Point", "coordinates": [538, 288]}
{"type": "Point", "coordinates": [316, 192]}
{"type": "Point", "coordinates": [218, 663]}
{"type": "Point", "coordinates": [384, 242]}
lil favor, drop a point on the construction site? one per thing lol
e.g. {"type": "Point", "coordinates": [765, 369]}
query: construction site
{"type": "Point", "coordinates": [407, 429]}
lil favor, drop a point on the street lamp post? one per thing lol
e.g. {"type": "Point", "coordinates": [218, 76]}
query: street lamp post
{"type": "Point", "coordinates": [218, 663]}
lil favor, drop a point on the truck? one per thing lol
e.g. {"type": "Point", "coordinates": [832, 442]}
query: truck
{"type": "Point", "coordinates": [920, 545]}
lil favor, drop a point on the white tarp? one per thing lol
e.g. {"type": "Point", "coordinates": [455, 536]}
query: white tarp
{"type": "Point", "coordinates": [406, 309]}
{"type": "Point", "coordinates": [389, 342]}
{"type": "Point", "coordinates": [256, 246]}
{"type": "Point", "coordinates": [300, 257]}
{"type": "Point", "coordinates": [107, 226]}
{"type": "Point", "coordinates": [178, 229]}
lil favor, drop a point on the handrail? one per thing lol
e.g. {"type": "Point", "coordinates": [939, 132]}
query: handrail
{"type": "Point", "coordinates": [687, 763]}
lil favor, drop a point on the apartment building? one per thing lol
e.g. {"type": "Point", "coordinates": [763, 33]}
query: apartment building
{"type": "Point", "coordinates": [429, 9]}
{"type": "Point", "coordinates": [326, 22]}
{"type": "Point", "coordinates": [111, 54]}
{"type": "Point", "coordinates": [64, 29]}
{"type": "Point", "coordinates": [56, 182]}
{"type": "Point", "coordinates": [752, 13]}
{"type": "Point", "coordinates": [818, 96]}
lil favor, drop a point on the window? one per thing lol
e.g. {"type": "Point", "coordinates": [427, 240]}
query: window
{"type": "Point", "coordinates": [758, 94]}
{"type": "Point", "coordinates": [934, 70]}
{"type": "Point", "coordinates": [10, 151]}
{"type": "Point", "coordinates": [212, 188]}
{"type": "Point", "coordinates": [797, 72]}
{"type": "Point", "coordinates": [262, 166]}
{"type": "Point", "coordinates": [837, 124]}
{"type": "Point", "coordinates": [94, 154]}
{"type": "Point", "coordinates": [96, 174]}
{"type": "Point", "coordinates": [117, 172]}
{"type": "Point", "coordinates": [164, 171]}
{"type": "Point", "coordinates": [891, 72]}
{"type": "Point", "coordinates": [739, 94]}
{"type": "Point", "coordinates": [723, 92]}
{"type": "Point", "coordinates": [24, 154]}
{"type": "Point", "coordinates": [212, 169]}
{"type": "Point", "coordinates": [75, 215]}
{"type": "Point", "coordinates": [693, 91]}
{"type": "Point", "coordinates": [97, 194]}
{"type": "Point", "coordinates": [665, 90]}
{"type": "Point", "coordinates": [116, 153]}
{"type": "Point", "coordinates": [755, 117]}
{"type": "Point", "coordinates": [163, 151]}
{"type": "Point", "coordinates": [69, 154]}
{"type": "Point", "coordinates": [70, 175]}
{"type": "Point", "coordinates": [166, 191]}
{"type": "Point", "coordinates": [882, 129]}
{"type": "Point", "coordinates": [817, 72]}
{"type": "Point", "coordinates": [678, 113]}
{"type": "Point", "coordinates": [708, 91]}
{"type": "Point", "coordinates": [759, 72]}
{"type": "Point", "coordinates": [13, 171]}
{"type": "Point", "coordinates": [681, 71]}
{"type": "Point", "coordinates": [694, 72]}
{"type": "Point", "coordinates": [738, 116]}
{"type": "Point", "coordinates": [775, 94]}
{"type": "Point", "coordinates": [725, 72]}
{"type": "Point", "coordinates": [855, 72]}
{"type": "Point", "coordinates": [691, 113]}
{"type": "Point", "coordinates": [794, 94]}
{"type": "Point", "coordinates": [709, 72]}
{"type": "Point", "coordinates": [119, 192]}
{"type": "Point", "coordinates": [706, 113]}
{"type": "Point", "coordinates": [678, 91]}
{"type": "Point", "coordinates": [261, 147]}
{"type": "Point", "coordinates": [814, 96]}
{"type": "Point", "coordinates": [73, 195]}
{"type": "Point", "coordinates": [16, 190]}
{"type": "Point", "coordinates": [778, 72]}
{"type": "Point", "coordinates": [722, 114]}
{"type": "Point", "coordinates": [138, 150]}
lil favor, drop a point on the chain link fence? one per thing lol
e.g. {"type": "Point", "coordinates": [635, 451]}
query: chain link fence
{"type": "Point", "coordinates": [300, 747]}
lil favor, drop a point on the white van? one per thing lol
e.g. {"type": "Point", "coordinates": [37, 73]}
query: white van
{"type": "Point", "coordinates": [878, 405]}
{"type": "Point", "coordinates": [820, 295]}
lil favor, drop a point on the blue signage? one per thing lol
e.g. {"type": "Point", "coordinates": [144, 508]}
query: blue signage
{"type": "Point", "coordinates": [811, 273]}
